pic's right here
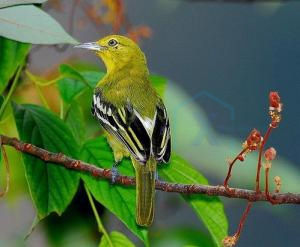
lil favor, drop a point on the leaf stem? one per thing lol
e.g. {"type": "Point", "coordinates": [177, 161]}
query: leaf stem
{"type": "Point", "coordinates": [99, 222]}
{"type": "Point", "coordinates": [40, 81]}
{"type": "Point", "coordinates": [12, 89]}
{"type": "Point", "coordinates": [6, 164]}
{"type": "Point", "coordinates": [61, 111]}
{"type": "Point", "coordinates": [42, 97]}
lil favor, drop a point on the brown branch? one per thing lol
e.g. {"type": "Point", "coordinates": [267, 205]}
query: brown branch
{"type": "Point", "coordinates": [219, 190]}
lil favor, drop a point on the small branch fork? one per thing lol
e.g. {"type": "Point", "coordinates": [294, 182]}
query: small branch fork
{"type": "Point", "coordinates": [219, 190]}
{"type": "Point", "coordinates": [257, 142]}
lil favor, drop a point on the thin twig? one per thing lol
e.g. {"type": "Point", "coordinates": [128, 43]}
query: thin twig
{"type": "Point", "coordinates": [261, 148]}
{"type": "Point", "coordinates": [101, 227]}
{"type": "Point", "coordinates": [225, 183]}
{"type": "Point", "coordinates": [218, 190]}
{"type": "Point", "coordinates": [243, 219]}
{"type": "Point", "coordinates": [12, 89]}
{"type": "Point", "coordinates": [6, 164]}
{"type": "Point", "coordinates": [267, 192]}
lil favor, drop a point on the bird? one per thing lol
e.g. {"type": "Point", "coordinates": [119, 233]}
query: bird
{"type": "Point", "coordinates": [133, 116]}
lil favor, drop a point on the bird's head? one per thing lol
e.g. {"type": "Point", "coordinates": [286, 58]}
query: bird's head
{"type": "Point", "coordinates": [117, 52]}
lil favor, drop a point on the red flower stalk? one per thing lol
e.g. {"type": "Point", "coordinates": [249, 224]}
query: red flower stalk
{"type": "Point", "coordinates": [270, 154]}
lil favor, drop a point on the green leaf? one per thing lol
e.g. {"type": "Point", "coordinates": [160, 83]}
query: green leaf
{"type": "Point", "coordinates": [1, 100]}
{"type": "Point", "coordinates": [75, 82]}
{"type": "Point", "coordinates": [179, 237]}
{"type": "Point", "coordinates": [7, 3]}
{"type": "Point", "coordinates": [68, 71]}
{"type": "Point", "coordinates": [52, 187]}
{"type": "Point", "coordinates": [208, 208]}
{"type": "Point", "coordinates": [69, 88]}
{"type": "Point", "coordinates": [159, 83]}
{"type": "Point", "coordinates": [92, 77]}
{"type": "Point", "coordinates": [120, 200]}
{"type": "Point", "coordinates": [118, 239]}
{"type": "Point", "coordinates": [12, 54]}
{"type": "Point", "coordinates": [75, 120]}
{"type": "Point", "coordinates": [30, 24]}
{"type": "Point", "coordinates": [72, 83]}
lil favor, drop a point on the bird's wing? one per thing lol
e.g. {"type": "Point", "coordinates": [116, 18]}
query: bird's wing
{"type": "Point", "coordinates": [126, 125]}
{"type": "Point", "coordinates": [141, 135]}
{"type": "Point", "coordinates": [161, 136]}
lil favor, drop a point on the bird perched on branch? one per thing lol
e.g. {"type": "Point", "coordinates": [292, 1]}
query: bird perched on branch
{"type": "Point", "coordinates": [133, 116]}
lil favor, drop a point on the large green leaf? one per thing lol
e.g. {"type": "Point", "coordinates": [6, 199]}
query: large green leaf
{"type": "Point", "coordinates": [75, 82]}
{"type": "Point", "coordinates": [92, 77]}
{"type": "Point", "coordinates": [7, 3]}
{"type": "Point", "coordinates": [1, 100]}
{"type": "Point", "coordinates": [209, 209]}
{"type": "Point", "coordinates": [75, 120]}
{"type": "Point", "coordinates": [30, 24]}
{"type": "Point", "coordinates": [52, 187]}
{"type": "Point", "coordinates": [12, 53]}
{"type": "Point", "coordinates": [117, 239]}
{"type": "Point", "coordinates": [120, 200]}
{"type": "Point", "coordinates": [69, 88]}
{"type": "Point", "coordinates": [179, 237]}
{"type": "Point", "coordinates": [70, 72]}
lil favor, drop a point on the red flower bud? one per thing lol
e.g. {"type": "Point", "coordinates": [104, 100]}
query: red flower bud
{"type": "Point", "coordinates": [274, 99]}
{"type": "Point", "coordinates": [254, 139]}
{"type": "Point", "coordinates": [241, 158]}
{"type": "Point", "coordinates": [270, 154]}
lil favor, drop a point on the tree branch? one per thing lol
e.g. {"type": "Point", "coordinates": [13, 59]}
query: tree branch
{"type": "Point", "coordinates": [219, 190]}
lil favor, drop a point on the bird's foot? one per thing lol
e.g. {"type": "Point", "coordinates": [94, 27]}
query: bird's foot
{"type": "Point", "coordinates": [114, 172]}
{"type": "Point", "coordinates": [157, 176]}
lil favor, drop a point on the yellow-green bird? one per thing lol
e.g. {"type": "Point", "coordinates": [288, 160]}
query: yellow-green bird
{"type": "Point", "coordinates": [133, 115]}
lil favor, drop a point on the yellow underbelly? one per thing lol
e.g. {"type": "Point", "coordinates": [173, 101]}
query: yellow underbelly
{"type": "Point", "coordinates": [119, 149]}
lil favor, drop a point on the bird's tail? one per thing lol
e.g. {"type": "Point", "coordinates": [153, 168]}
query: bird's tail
{"type": "Point", "coordinates": [145, 191]}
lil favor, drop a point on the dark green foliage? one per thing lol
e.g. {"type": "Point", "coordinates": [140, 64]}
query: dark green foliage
{"type": "Point", "coordinates": [117, 239]}
{"type": "Point", "coordinates": [52, 187]}
{"type": "Point", "coordinates": [118, 199]}
{"type": "Point", "coordinates": [209, 209]}
{"type": "Point", "coordinates": [12, 53]}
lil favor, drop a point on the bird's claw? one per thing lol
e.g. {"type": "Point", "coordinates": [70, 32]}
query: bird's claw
{"type": "Point", "coordinates": [157, 176]}
{"type": "Point", "coordinates": [114, 172]}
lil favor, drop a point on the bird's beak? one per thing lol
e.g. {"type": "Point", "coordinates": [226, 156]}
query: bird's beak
{"type": "Point", "coordinates": [91, 46]}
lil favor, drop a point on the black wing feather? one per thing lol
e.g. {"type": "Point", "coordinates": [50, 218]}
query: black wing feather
{"type": "Point", "coordinates": [161, 138]}
{"type": "Point", "coordinates": [127, 127]}
{"type": "Point", "coordinates": [124, 125]}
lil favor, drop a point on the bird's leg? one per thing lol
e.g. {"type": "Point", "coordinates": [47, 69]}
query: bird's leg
{"type": "Point", "coordinates": [157, 176]}
{"type": "Point", "coordinates": [114, 171]}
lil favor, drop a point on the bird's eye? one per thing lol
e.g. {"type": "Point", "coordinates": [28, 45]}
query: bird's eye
{"type": "Point", "coordinates": [112, 42]}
